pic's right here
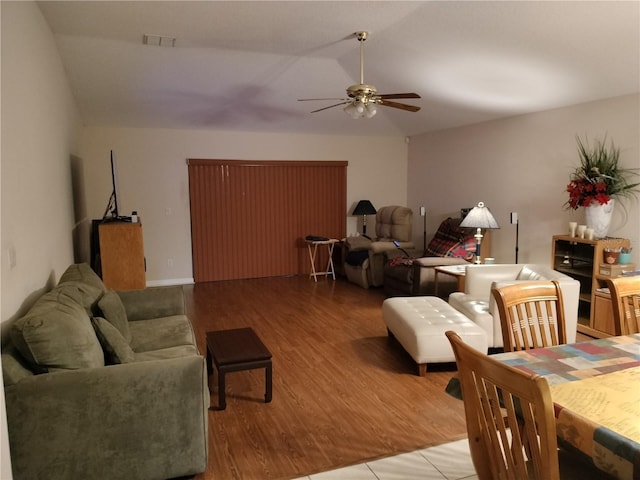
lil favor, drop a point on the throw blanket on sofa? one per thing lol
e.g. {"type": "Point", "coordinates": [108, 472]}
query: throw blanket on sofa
{"type": "Point", "coordinates": [452, 241]}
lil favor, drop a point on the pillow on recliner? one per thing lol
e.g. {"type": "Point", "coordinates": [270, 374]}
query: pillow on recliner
{"type": "Point", "coordinates": [357, 258]}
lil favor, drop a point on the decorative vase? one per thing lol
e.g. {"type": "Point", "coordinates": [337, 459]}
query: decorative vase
{"type": "Point", "coordinates": [624, 258]}
{"type": "Point", "coordinates": [598, 217]}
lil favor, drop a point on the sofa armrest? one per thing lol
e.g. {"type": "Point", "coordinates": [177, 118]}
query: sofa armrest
{"type": "Point", "coordinates": [382, 246]}
{"type": "Point", "coordinates": [148, 417]}
{"type": "Point", "coordinates": [153, 302]}
{"type": "Point", "coordinates": [355, 243]}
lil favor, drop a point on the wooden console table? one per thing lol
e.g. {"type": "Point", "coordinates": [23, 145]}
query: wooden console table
{"type": "Point", "coordinates": [122, 255]}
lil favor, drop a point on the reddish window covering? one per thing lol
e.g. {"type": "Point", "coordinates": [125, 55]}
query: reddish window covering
{"type": "Point", "coordinates": [249, 219]}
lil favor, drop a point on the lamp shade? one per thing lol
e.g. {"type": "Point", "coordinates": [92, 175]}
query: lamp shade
{"type": "Point", "coordinates": [479, 217]}
{"type": "Point", "coordinates": [364, 207]}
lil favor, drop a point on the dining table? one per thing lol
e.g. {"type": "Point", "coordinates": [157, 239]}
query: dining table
{"type": "Point", "coordinates": [595, 389]}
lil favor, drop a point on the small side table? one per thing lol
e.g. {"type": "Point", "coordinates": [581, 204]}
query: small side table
{"type": "Point", "coordinates": [235, 350]}
{"type": "Point", "coordinates": [312, 246]}
{"type": "Point", "coordinates": [458, 271]}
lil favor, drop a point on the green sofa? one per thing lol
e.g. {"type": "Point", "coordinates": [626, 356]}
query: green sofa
{"type": "Point", "coordinates": [105, 385]}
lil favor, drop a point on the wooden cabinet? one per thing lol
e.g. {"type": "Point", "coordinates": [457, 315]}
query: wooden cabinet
{"type": "Point", "coordinates": [122, 255]}
{"type": "Point", "coordinates": [581, 259]}
{"type": "Point", "coordinates": [603, 313]}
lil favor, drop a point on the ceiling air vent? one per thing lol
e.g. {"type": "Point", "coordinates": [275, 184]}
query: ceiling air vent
{"type": "Point", "coordinates": [158, 40]}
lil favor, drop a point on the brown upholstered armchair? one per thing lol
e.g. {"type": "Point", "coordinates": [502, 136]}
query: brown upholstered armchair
{"type": "Point", "coordinates": [365, 258]}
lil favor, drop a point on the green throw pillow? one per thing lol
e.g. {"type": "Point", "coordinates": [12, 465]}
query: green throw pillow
{"type": "Point", "coordinates": [114, 312]}
{"type": "Point", "coordinates": [82, 272]}
{"type": "Point", "coordinates": [88, 283]}
{"type": "Point", "coordinates": [56, 334]}
{"type": "Point", "coordinates": [116, 348]}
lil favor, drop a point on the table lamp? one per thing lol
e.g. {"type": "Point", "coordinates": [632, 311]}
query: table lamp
{"type": "Point", "coordinates": [479, 217]}
{"type": "Point", "coordinates": [364, 208]}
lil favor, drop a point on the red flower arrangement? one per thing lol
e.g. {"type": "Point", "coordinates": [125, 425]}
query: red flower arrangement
{"type": "Point", "coordinates": [599, 177]}
{"type": "Point", "coordinates": [585, 191]}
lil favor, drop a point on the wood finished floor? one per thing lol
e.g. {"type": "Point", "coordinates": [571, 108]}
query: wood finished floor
{"type": "Point", "coordinates": [342, 393]}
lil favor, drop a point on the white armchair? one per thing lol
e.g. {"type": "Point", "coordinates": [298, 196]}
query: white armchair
{"type": "Point", "coordinates": [477, 303]}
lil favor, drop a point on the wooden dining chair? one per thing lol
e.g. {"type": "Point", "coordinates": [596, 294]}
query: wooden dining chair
{"type": "Point", "coordinates": [506, 409]}
{"type": "Point", "coordinates": [625, 300]}
{"type": "Point", "coordinates": [531, 315]}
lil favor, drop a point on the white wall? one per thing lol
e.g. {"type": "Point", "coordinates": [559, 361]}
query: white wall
{"type": "Point", "coordinates": [152, 178]}
{"type": "Point", "coordinates": [39, 129]}
{"type": "Point", "coordinates": [522, 164]}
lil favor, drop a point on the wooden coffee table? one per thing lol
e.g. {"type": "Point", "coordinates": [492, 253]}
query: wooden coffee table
{"type": "Point", "coordinates": [235, 350]}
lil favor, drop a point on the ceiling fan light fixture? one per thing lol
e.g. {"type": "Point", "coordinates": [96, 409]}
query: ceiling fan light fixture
{"type": "Point", "coordinates": [362, 99]}
{"type": "Point", "coordinates": [351, 110]}
{"type": "Point", "coordinates": [357, 109]}
{"type": "Point", "coordinates": [361, 108]}
{"type": "Point", "coordinates": [370, 109]}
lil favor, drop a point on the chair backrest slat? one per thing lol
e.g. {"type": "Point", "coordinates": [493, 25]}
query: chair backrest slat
{"type": "Point", "coordinates": [531, 315]}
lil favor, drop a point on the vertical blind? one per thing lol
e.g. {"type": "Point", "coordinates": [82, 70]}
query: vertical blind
{"type": "Point", "coordinates": [249, 219]}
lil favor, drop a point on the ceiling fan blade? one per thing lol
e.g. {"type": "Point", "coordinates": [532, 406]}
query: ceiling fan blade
{"type": "Point", "coordinates": [314, 99]}
{"type": "Point", "coordinates": [330, 106]}
{"type": "Point", "coordinates": [401, 106]}
{"type": "Point", "coordinates": [400, 95]}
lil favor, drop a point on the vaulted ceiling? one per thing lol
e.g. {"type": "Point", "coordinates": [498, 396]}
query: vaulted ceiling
{"type": "Point", "coordinates": [240, 65]}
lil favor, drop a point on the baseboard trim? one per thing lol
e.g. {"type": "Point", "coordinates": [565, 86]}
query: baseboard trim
{"type": "Point", "coordinates": [169, 282]}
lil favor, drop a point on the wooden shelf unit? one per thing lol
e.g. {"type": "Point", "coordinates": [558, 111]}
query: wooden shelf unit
{"type": "Point", "coordinates": [122, 255]}
{"type": "Point", "coordinates": [581, 259]}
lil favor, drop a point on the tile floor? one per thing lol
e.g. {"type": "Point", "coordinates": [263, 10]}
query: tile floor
{"type": "Point", "coordinates": [449, 461]}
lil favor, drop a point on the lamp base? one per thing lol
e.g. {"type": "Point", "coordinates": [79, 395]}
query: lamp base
{"type": "Point", "coordinates": [364, 227]}
{"type": "Point", "coordinates": [478, 237]}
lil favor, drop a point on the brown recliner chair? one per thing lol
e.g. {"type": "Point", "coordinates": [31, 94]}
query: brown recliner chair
{"type": "Point", "coordinates": [451, 245]}
{"type": "Point", "coordinates": [365, 258]}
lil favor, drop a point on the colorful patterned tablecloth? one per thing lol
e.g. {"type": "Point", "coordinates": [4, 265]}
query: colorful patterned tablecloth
{"type": "Point", "coordinates": [595, 387]}
{"type": "Point", "coordinates": [577, 361]}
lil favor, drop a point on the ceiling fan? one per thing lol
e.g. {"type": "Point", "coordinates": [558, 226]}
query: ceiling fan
{"type": "Point", "coordinates": [362, 98]}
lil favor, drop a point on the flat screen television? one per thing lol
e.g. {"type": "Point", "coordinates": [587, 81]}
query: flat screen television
{"type": "Point", "coordinates": [111, 212]}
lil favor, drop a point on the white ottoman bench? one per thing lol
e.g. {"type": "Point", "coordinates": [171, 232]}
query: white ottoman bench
{"type": "Point", "coordinates": [419, 324]}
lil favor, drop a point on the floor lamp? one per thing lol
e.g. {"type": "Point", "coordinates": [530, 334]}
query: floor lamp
{"type": "Point", "coordinates": [479, 217]}
{"type": "Point", "coordinates": [514, 221]}
{"type": "Point", "coordinates": [423, 214]}
{"type": "Point", "coordinates": [364, 208]}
